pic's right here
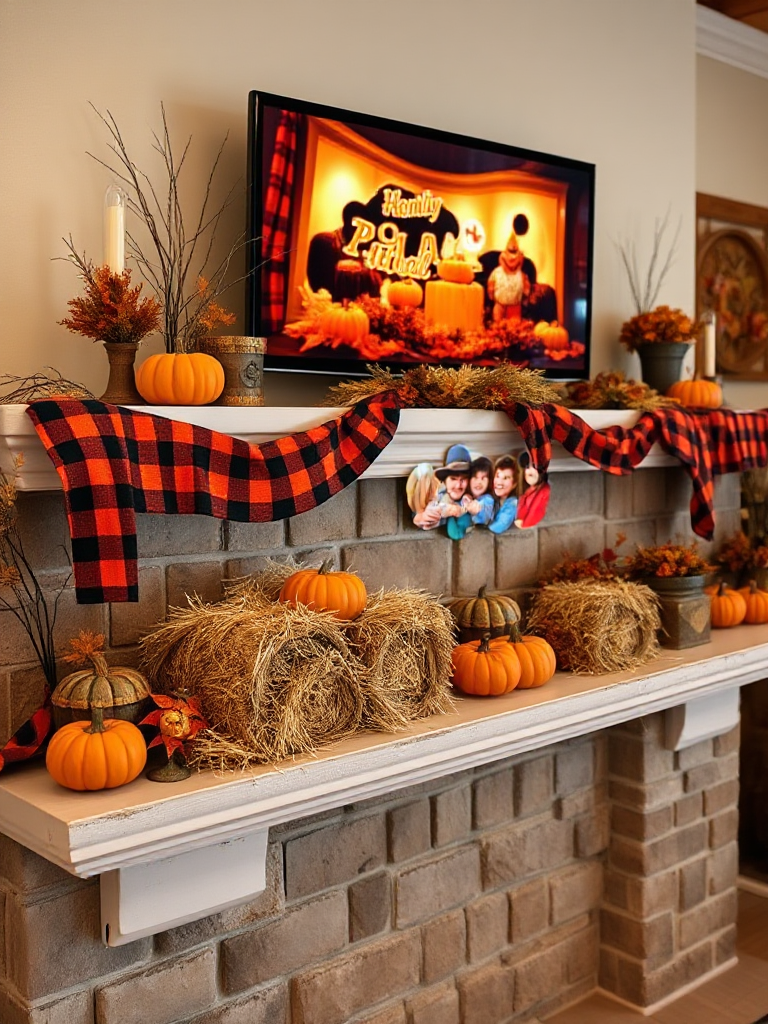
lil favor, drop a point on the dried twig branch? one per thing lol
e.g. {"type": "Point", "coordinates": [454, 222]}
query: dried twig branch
{"type": "Point", "coordinates": [645, 293]}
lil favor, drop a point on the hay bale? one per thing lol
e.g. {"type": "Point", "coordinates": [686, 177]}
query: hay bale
{"type": "Point", "coordinates": [274, 681]}
{"type": "Point", "coordinates": [405, 639]}
{"type": "Point", "coordinates": [264, 586]}
{"type": "Point", "coordinates": [598, 626]}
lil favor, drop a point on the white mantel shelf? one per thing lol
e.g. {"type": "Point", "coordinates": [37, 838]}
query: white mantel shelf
{"type": "Point", "coordinates": [123, 833]}
{"type": "Point", "coordinates": [423, 435]}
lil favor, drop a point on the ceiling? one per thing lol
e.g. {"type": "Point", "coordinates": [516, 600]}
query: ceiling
{"type": "Point", "coordinates": [750, 12]}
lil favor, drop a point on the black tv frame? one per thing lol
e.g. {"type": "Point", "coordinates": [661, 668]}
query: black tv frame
{"type": "Point", "coordinates": [254, 213]}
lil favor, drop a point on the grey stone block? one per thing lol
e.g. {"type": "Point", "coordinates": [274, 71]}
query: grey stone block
{"type": "Point", "coordinates": [517, 558]}
{"type": "Point", "coordinates": [578, 493]}
{"type": "Point", "coordinates": [422, 562]}
{"type": "Point", "coordinates": [652, 492]}
{"type": "Point", "coordinates": [42, 523]}
{"type": "Point", "coordinates": [473, 562]}
{"type": "Point", "coordinates": [162, 536]}
{"type": "Point", "coordinates": [130, 620]}
{"type": "Point", "coordinates": [253, 536]}
{"type": "Point", "coordinates": [578, 539]}
{"type": "Point", "coordinates": [378, 508]}
{"type": "Point", "coordinates": [186, 579]}
{"type": "Point", "coordinates": [619, 497]}
{"type": "Point", "coordinates": [335, 519]}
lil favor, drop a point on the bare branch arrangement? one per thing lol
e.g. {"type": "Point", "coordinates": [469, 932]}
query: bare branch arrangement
{"type": "Point", "coordinates": [646, 291]}
{"type": "Point", "coordinates": [179, 266]}
{"type": "Point", "coordinates": [20, 590]}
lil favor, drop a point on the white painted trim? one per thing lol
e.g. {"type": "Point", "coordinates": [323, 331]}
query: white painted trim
{"type": "Point", "coordinates": [90, 833]}
{"type": "Point", "coordinates": [423, 435]}
{"type": "Point", "coordinates": [701, 719]}
{"type": "Point", "coordinates": [752, 885]}
{"type": "Point", "coordinates": [149, 898]}
{"type": "Point", "coordinates": [731, 41]}
{"type": "Point", "coordinates": [648, 1011]}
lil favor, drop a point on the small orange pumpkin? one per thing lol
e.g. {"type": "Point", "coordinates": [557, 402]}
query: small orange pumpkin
{"type": "Point", "coordinates": [536, 657]}
{"type": "Point", "coordinates": [456, 270]}
{"type": "Point", "coordinates": [727, 606]}
{"type": "Point", "coordinates": [180, 378]}
{"type": "Point", "coordinates": [702, 394]}
{"type": "Point", "coordinates": [552, 335]}
{"type": "Point", "coordinates": [757, 604]}
{"type": "Point", "coordinates": [345, 324]}
{"type": "Point", "coordinates": [485, 668]}
{"type": "Point", "coordinates": [405, 293]}
{"type": "Point", "coordinates": [100, 754]}
{"type": "Point", "coordinates": [342, 593]}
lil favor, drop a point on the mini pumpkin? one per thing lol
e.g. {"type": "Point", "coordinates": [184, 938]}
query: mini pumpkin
{"type": "Point", "coordinates": [405, 293]}
{"type": "Point", "coordinates": [757, 604]}
{"type": "Point", "coordinates": [552, 335]}
{"type": "Point", "coordinates": [180, 378]}
{"type": "Point", "coordinates": [100, 754]}
{"type": "Point", "coordinates": [342, 593]}
{"type": "Point", "coordinates": [119, 691]}
{"type": "Point", "coordinates": [486, 613]}
{"type": "Point", "coordinates": [485, 668]}
{"type": "Point", "coordinates": [727, 606]}
{"type": "Point", "coordinates": [702, 394]}
{"type": "Point", "coordinates": [537, 659]}
{"type": "Point", "coordinates": [456, 270]}
{"type": "Point", "coordinates": [345, 324]}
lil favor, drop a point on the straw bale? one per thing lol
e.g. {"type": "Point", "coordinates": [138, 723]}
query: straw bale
{"type": "Point", "coordinates": [405, 638]}
{"type": "Point", "coordinates": [598, 626]}
{"type": "Point", "coordinates": [272, 679]}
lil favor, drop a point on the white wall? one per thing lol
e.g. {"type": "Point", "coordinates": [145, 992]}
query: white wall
{"type": "Point", "coordinates": [732, 159]}
{"type": "Point", "coordinates": [606, 81]}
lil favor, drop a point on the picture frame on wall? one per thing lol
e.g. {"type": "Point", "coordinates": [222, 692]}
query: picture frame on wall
{"type": "Point", "coordinates": [732, 284]}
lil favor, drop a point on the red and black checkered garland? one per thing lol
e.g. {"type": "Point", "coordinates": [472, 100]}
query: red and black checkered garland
{"type": "Point", "coordinates": [114, 462]}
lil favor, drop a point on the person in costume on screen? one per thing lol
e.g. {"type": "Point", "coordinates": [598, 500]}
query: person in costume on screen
{"type": "Point", "coordinates": [512, 286]}
{"type": "Point", "coordinates": [535, 497]}
{"type": "Point", "coordinates": [453, 480]}
{"type": "Point", "coordinates": [504, 493]}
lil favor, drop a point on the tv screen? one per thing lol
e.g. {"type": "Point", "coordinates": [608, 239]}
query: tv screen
{"type": "Point", "coordinates": [376, 241]}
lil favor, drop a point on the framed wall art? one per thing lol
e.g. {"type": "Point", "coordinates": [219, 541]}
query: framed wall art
{"type": "Point", "coordinates": [732, 284]}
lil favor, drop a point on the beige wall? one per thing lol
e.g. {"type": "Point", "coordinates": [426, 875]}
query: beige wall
{"type": "Point", "coordinates": [599, 80]}
{"type": "Point", "coordinates": [731, 158]}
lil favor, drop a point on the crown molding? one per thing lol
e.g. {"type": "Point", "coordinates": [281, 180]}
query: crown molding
{"type": "Point", "coordinates": [731, 42]}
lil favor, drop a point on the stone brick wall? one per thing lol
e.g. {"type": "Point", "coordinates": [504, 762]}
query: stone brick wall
{"type": "Point", "coordinates": [670, 879]}
{"type": "Point", "coordinates": [475, 900]}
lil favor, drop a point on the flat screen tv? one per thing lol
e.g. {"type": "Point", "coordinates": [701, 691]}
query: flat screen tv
{"type": "Point", "coordinates": [378, 242]}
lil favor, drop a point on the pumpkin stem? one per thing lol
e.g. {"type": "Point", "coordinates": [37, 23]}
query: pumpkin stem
{"type": "Point", "coordinates": [327, 566]}
{"type": "Point", "coordinates": [515, 636]}
{"type": "Point", "coordinates": [485, 644]}
{"type": "Point", "coordinates": [97, 720]}
{"type": "Point", "coordinates": [753, 586]}
{"type": "Point", "coordinates": [99, 662]}
{"type": "Point", "coordinates": [481, 591]}
{"type": "Point", "coordinates": [722, 588]}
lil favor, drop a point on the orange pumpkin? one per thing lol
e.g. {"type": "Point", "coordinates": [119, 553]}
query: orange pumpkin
{"type": "Point", "coordinates": [552, 335]}
{"type": "Point", "coordinates": [727, 606]}
{"type": "Point", "coordinates": [536, 657]}
{"type": "Point", "coordinates": [180, 378]}
{"type": "Point", "coordinates": [342, 593]}
{"type": "Point", "coordinates": [703, 394]}
{"type": "Point", "coordinates": [456, 270]}
{"type": "Point", "coordinates": [405, 293]}
{"type": "Point", "coordinates": [757, 604]}
{"type": "Point", "coordinates": [347, 325]}
{"type": "Point", "coordinates": [100, 754]}
{"type": "Point", "coordinates": [485, 668]}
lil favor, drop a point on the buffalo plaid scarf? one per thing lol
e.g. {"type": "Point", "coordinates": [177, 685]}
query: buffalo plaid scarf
{"type": "Point", "coordinates": [114, 462]}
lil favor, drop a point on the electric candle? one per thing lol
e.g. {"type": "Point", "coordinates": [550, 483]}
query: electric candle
{"type": "Point", "coordinates": [114, 229]}
{"type": "Point", "coordinates": [710, 334]}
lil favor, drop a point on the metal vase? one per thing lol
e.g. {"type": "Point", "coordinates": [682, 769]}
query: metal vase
{"type": "Point", "coordinates": [243, 361]}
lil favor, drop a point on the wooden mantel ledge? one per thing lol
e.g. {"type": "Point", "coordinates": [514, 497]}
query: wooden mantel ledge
{"type": "Point", "coordinates": [141, 837]}
{"type": "Point", "coordinates": [423, 435]}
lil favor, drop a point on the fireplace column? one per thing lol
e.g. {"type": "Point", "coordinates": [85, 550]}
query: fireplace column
{"type": "Point", "coordinates": [669, 907]}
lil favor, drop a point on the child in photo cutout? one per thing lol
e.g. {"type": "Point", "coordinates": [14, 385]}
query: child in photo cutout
{"type": "Point", "coordinates": [504, 493]}
{"type": "Point", "coordinates": [453, 479]}
{"type": "Point", "coordinates": [478, 503]}
{"type": "Point", "coordinates": [535, 498]}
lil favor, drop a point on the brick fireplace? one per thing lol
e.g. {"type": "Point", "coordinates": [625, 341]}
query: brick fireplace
{"type": "Point", "coordinates": [492, 894]}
